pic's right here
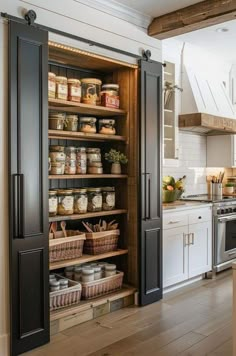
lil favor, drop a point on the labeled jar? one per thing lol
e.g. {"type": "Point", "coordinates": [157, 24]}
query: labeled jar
{"type": "Point", "coordinates": [95, 169]}
{"type": "Point", "coordinates": [87, 275]}
{"type": "Point", "coordinates": [58, 159]}
{"type": "Point", "coordinates": [107, 127]}
{"type": "Point", "coordinates": [70, 165]}
{"type": "Point", "coordinates": [53, 202]}
{"type": "Point", "coordinates": [110, 96]}
{"type": "Point", "coordinates": [57, 168]}
{"type": "Point", "coordinates": [97, 272]}
{"type": "Point", "coordinates": [54, 286]}
{"type": "Point", "coordinates": [110, 270]}
{"type": "Point", "coordinates": [93, 156]}
{"type": "Point", "coordinates": [91, 88]}
{"type": "Point", "coordinates": [81, 160]}
{"type": "Point", "coordinates": [80, 201]}
{"type": "Point", "coordinates": [61, 88]}
{"type": "Point", "coordinates": [51, 85]}
{"type": "Point", "coordinates": [74, 90]}
{"type": "Point", "coordinates": [69, 272]}
{"type": "Point", "coordinates": [71, 123]}
{"type": "Point", "coordinates": [65, 202]}
{"type": "Point", "coordinates": [108, 198]}
{"type": "Point", "coordinates": [87, 124]}
{"type": "Point", "coordinates": [56, 121]}
{"type": "Point", "coordinates": [94, 199]}
{"type": "Point", "coordinates": [64, 283]}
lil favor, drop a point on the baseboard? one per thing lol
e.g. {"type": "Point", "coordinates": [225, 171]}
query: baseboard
{"type": "Point", "coordinates": [4, 345]}
{"type": "Point", "coordinates": [182, 284]}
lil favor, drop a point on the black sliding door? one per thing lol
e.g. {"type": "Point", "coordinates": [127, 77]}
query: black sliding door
{"type": "Point", "coordinates": [150, 182]}
{"type": "Point", "coordinates": [28, 187]}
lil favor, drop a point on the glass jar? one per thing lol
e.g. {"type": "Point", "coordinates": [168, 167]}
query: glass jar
{"type": "Point", "coordinates": [74, 90]}
{"type": "Point", "coordinates": [97, 272]}
{"type": "Point", "coordinates": [77, 274]}
{"type": "Point", "coordinates": [110, 96]}
{"type": "Point", "coordinates": [54, 286]}
{"type": "Point", "coordinates": [69, 272]}
{"type": "Point", "coordinates": [61, 88]}
{"type": "Point", "coordinates": [71, 123]}
{"type": "Point", "coordinates": [87, 124]}
{"type": "Point", "coordinates": [81, 161]}
{"type": "Point", "coordinates": [65, 202]}
{"type": "Point", "coordinates": [107, 127]}
{"type": "Point", "coordinates": [87, 275]}
{"type": "Point", "coordinates": [58, 159]}
{"type": "Point", "coordinates": [80, 201]}
{"type": "Point", "coordinates": [53, 202]}
{"type": "Point", "coordinates": [51, 85]}
{"type": "Point", "coordinates": [56, 121]}
{"type": "Point", "coordinates": [70, 166]}
{"type": "Point", "coordinates": [64, 283]}
{"type": "Point", "coordinates": [93, 156]}
{"type": "Point", "coordinates": [108, 198]}
{"type": "Point", "coordinates": [91, 88]}
{"type": "Point", "coordinates": [57, 168]}
{"type": "Point", "coordinates": [110, 270]}
{"type": "Point", "coordinates": [94, 199]}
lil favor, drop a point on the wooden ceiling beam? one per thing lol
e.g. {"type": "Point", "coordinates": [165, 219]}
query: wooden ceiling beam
{"type": "Point", "coordinates": [203, 14]}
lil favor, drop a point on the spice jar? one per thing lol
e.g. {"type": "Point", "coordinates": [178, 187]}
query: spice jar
{"type": "Point", "coordinates": [69, 272]}
{"type": "Point", "coordinates": [77, 274]}
{"type": "Point", "coordinates": [70, 166]}
{"type": "Point", "coordinates": [64, 283]}
{"type": "Point", "coordinates": [71, 123]}
{"type": "Point", "coordinates": [54, 286]}
{"type": "Point", "coordinates": [80, 201]}
{"type": "Point", "coordinates": [56, 121]}
{"type": "Point", "coordinates": [110, 270]}
{"type": "Point", "coordinates": [58, 159]}
{"type": "Point", "coordinates": [91, 88]}
{"type": "Point", "coordinates": [93, 156]}
{"type": "Point", "coordinates": [74, 90]}
{"type": "Point", "coordinates": [107, 127]}
{"type": "Point", "coordinates": [94, 199]}
{"type": "Point", "coordinates": [61, 88]}
{"type": "Point", "coordinates": [65, 202]}
{"type": "Point", "coordinates": [108, 198]}
{"type": "Point", "coordinates": [81, 161]}
{"type": "Point", "coordinates": [110, 96]}
{"type": "Point", "coordinates": [52, 200]}
{"type": "Point", "coordinates": [87, 124]}
{"type": "Point", "coordinates": [87, 275]}
{"type": "Point", "coordinates": [51, 85]}
{"type": "Point", "coordinates": [97, 272]}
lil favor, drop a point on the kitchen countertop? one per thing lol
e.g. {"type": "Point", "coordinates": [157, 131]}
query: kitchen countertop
{"type": "Point", "coordinates": [183, 205]}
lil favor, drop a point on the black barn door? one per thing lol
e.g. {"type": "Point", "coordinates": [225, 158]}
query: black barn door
{"type": "Point", "coordinates": [150, 182]}
{"type": "Point", "coordinates": [28, 187]}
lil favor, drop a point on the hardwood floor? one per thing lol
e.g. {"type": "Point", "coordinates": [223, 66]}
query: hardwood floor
{"type": "Point", "coordinates": [195, 321]}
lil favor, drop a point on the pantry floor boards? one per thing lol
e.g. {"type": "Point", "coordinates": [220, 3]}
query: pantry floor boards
{"type": "Point", "coordinates": [193, 321]}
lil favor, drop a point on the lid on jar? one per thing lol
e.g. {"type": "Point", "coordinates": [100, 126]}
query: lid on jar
{"type": "Point", "coordinates": [90, 120]}
{"type": "Point", "coordinates": [107, 121]}
{"type": "Point", "coordinates": [91, 80]}
{"type": "Point", "coordinates": [95, 190]}
{"type": "Point", "coordinates": [69, 269]}
{"type": "Point", "coordinates": [51, 75]}
{"type": "Point", "coordinates": [59, 78]}
{"type": "Point", "coordinates": [97, 269]}
{"type": "Point", "coordinates": [54, 283]}
{"type": "Point", "coordinates": [56, 115]}
{"type": "Point", "coordinates": [64, 191]}
{"type": "Point", "coordinates": [108, 189]}
{"type": "Point", "coordinates": [72, 117]}
{"type": "Point", "coordinates": [73, 81]}
{"type": "Point", "coordinates": [81, 149]}
{"type": "Point", "coordinates": [110, 267]}
{"type": "Point", "coordinates": [52, 276]}
{"type": "Point", "coordinates": [56, 148]}
{"type": "Point", "coordinates": [71, 148]}
{"type": "Point", "coordinates": [87, 271]}
{"type": "Point", "coordinates": [93, 150]}
{"type": "Point", "coordinates": [110, 86]}
{"type": "Point", "coordinates": [64, 282]}
{"type": "Point", "coordinates": [52, 192]}
{"type": "Point", "coordinates": [80, 190]}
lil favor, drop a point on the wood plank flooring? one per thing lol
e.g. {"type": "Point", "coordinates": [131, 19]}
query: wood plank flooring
{"type": "Point", "coordinates": [194, 321]}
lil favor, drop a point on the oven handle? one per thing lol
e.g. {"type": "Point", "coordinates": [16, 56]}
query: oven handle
{"type": "Point", "coordinates": [221, 220]}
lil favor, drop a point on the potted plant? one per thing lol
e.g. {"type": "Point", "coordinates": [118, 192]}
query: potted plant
{"type": "Point", "coordinates": [116, 158]}
{"type": "Point", "coordinates": [229, 188]}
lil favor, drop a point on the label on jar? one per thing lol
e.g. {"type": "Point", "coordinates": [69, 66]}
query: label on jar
{"type": "Point", "coordinates": [110, 200]}
{"type": "Point", "coordinates": [81, 163]}
{"type": "Point", "coordinates": [70, 167]}
{"type": "Point", "coordinates": [82, 203]}
{"type": "Point", "coordinates": [67, 203]}
{"type": "Point", "coordinates": [97, 201]}
{"type": "Point", "coordinates": [51, 86]}
{"type": "Point", "coordinates": [57, 156]}
{"type": "Point", "coordinates": [94, 157]}
{"type": "Point", "coordinates": [62, 89]}
{"type": "Point", "coordinates": [52, 205]}
{"type": "Point", "coordinates": [74, 91]}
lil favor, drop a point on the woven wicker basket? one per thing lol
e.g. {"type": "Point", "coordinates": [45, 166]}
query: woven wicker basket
{"type": "Point", "coordinates": [102, 286]}
{"type": "Point", "coordinates": [66, 297]}
{"type": "Point", "coordinates": [101, 242]}
{"type": "Point", "coordinates": [65, 248]}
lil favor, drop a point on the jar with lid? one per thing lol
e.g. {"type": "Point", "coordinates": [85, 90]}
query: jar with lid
{"type": "Point", "coordinates": [71, 123]}
{"type": "Point", "coordinates": [91, 88]}
{"type": "Point", "coordinates": [52, 200]}
{"type": "Point", "coordinates": [77, 273]}
{"type": "Point", "coordinates": [81, 161]}
{"type": "Point", "coordinates": [58, 159]}
{"type": "Point", "coordinates": [70, 166]}
{"type": "Point", "coordinates": [56, 121]}
{"type": "Point", "coordinates": [94, 199]}
{"type": "Point", "coordinates": [110, 270]}
{"type": "Point", "coordinates": [87, 275]}
{"type": "Point", "coordinates": [96, 168]}
{"type": "Point", "coordinates": [74, 90]}
{"type": "Point", "coordinates": [110, 96]}
{"type": "Point", "coordinates": [61, 88]}
{"type": "Point", "coordinates": [65, 201]}
{"type": "Point", "coordinates": [64, 283]}
{"type": "Point", "coordinates": [107, 127]}
{"type": "Point", "coordinates": [97, 272]}
{"type": "Point", "coordinates": [93, 156]}
{"type": "Point", "coordinates": [69, 272]}
{"type": "Point", "coordinates": [87, 124]}
{"type": "Point", "coordinates": [51, 85]}
{"type": "Point", "coordinates": [108, 198]}
{"type": "Point", "coordinates": [54, 286]}
{"type": "Point", "coordinates": [80, 201]}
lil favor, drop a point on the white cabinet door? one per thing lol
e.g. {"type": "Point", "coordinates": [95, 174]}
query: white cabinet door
{"type": "Point", "coordinates": [175, 255]}
{"type": "Point", "coordinates": [200, 248]}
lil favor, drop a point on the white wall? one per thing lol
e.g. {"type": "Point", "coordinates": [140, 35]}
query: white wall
{"type": "Point", "coordinates": [71, 16]}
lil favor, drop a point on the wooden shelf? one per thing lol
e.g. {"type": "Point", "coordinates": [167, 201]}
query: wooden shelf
{"type": "Point", "coordinates": [125, 291]}
{"type": "Point", "coordinates": [88, 215]}
{"type": "Point", "coordinates": [81, 136]}
{"type": "Point", "coordinates": [86, 258]}
{"type": "Point", "coordinates": [72, 107]}
{"type": "Point", "coordinates": [88, 176]}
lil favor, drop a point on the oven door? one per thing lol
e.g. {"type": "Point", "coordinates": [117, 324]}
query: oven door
{"type": "Point", "coordinates": [225, 239]}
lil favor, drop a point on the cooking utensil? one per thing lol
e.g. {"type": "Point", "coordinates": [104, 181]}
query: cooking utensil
{"type": "Point", "coordinates": [63, 227]}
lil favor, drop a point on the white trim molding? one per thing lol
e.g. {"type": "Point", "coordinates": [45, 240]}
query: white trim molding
{"type": "Point", "coordinates": [120, 11]}
{"type": "Point", "coordinates": [4, 345]}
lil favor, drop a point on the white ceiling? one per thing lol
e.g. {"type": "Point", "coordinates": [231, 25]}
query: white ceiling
{"type": "Point", "coordinates": [156, 8]}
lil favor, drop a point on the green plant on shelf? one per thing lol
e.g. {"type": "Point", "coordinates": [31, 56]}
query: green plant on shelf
{"type": "Point", "coordinates": [114, 156]}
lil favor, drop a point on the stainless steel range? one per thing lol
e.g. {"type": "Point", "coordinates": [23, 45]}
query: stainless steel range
{"type": "Point", "coordinates": [224, 229]}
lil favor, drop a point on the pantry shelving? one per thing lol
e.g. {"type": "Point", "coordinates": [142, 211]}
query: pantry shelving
{"type": "Point", "coordinates": [87, 215]}
{"type": "Point", "coordinates": [88, 176]}
{"type": "Point", "coordinates": [81, 136]}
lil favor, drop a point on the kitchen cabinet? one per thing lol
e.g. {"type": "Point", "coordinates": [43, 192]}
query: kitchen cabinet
{"type": "Point", "coordinates": [187, 245]}
{"type": "Point", "coordinates": [221, 151]}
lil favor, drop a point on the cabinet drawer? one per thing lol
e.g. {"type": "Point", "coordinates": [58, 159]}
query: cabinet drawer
{"type": "Point", "coordinates": [200, 215]}
{"type": "Point", "coordinates": [171, 221]}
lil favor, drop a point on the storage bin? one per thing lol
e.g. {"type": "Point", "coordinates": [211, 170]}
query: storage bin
{"type": "Point", "coordinates": [66, 297]}
{"type": "Point", "coordinates": [65, 248]}
{"type": "Point", "coordinates": [101, 242]}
